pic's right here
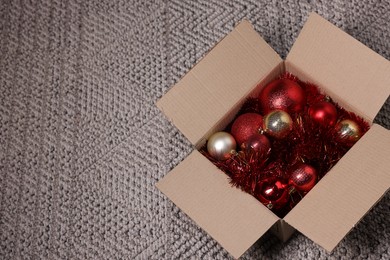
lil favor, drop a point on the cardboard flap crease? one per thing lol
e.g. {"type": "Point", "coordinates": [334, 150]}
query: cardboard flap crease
{"type": "Point", "coordinates": [348, 191]}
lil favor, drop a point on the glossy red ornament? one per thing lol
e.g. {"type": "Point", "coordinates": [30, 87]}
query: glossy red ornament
{"type": "Point", "coordinates": [257, 143]}
{"type": "Point", "coordinates": [245, 126]}
{"type": "Point", "coordinates": [282, 94]}
{"type": "Point", "coordinates": [303, 177]}
{"type": "Point", "coordinates": [324, 113]}
{"type": "Point", "coordinates": [273, 193]}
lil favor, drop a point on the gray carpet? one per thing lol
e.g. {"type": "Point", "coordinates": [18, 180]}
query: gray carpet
{"type": "Point", "coordinates": [82, 143]}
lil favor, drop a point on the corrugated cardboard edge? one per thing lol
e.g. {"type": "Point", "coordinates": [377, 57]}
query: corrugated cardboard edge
{"type": "Point", "coordinates": [232, 217]}
{"type": "Point", "coordinates": [351, 73]}
{"type": "Point", "coordinates": [282, 230]}
{"type": "Point", "coordinates": [352, 187]}
{"type": "Point", "coordinates": [218, 82]}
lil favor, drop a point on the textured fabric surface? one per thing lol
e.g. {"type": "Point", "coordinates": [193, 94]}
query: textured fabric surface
{"type": "Point", "coordinates": [82, 143]}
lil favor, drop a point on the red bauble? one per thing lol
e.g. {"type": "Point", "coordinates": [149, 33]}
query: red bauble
{"type": "Point", "coordinates": [303, 177]}
{"type": "Point", "coordinates": [257, 143]}
{"type": "Point", "coordinates": [324, 113]}
{"type": "Point", "coordinates": [282, 94]}
{"type": "Point", "coordinates": [245, 126]}
{"type": "Point", "coordinates": [273, 193]}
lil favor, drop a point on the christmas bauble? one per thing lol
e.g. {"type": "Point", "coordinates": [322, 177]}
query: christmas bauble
{"type": "Point", "coordinates": [257, 143]}
{"type": "Point", "coordinates": [221, 145]}
{"type": "Point", "coordinates": [277, 124]}
{"type": "Point", "coordinates": [324, 113]}
{"type": "Point", "coordinates": [348, 132]}
{"type": "Point", "coordinates": [303, 177]}
{"type": "Point", "coordinates": [245, 126]}
{"type": "Point", "coordinates": [272, 192]}
{"type": "Point", "coordinates": [282, 94]}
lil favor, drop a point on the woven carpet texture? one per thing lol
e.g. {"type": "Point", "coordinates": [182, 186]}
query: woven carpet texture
{"type": "Point", "coordinates": [82, 143]}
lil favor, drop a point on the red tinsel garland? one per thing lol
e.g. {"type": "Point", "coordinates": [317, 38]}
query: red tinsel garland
{"type": "Point", "coordinates": [308, 142]}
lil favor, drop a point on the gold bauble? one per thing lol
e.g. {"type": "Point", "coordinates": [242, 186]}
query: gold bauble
{"type": "Point", "coordinates": [277, 124]}
{"type": "Point", "coordinates": [348, 131]}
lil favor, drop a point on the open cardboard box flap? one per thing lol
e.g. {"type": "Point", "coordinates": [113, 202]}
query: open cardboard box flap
{"type": "Point", "coordinates": [351, 73]}
{"type": "Point", "coordinates": [346, 193]}
{"type": "Point", "coordinates": [198, 102]}
{"type": "Point", "coordinates": [232, 217]}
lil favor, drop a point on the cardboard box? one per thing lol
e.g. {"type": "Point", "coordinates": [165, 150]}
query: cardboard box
{"type": "Point", "coordinates": [207, 98]}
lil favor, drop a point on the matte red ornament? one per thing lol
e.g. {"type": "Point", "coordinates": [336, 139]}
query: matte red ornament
{"type": "Point", "coordinates": [324, 113]}
{"type": "Point", "coordinates": [273, 193]}
{"type": "Point", "coordinates": [282, 94]}
{"type": "Point", "coordinates": [257, 143]}
{"type": "Point", "coordinates": [245, 126]}
{"type": "Point", "coordinates": [303, 177]}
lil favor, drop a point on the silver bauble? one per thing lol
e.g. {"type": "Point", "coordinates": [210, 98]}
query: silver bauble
{"type": "Point", "coordinates": [221, 145]}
